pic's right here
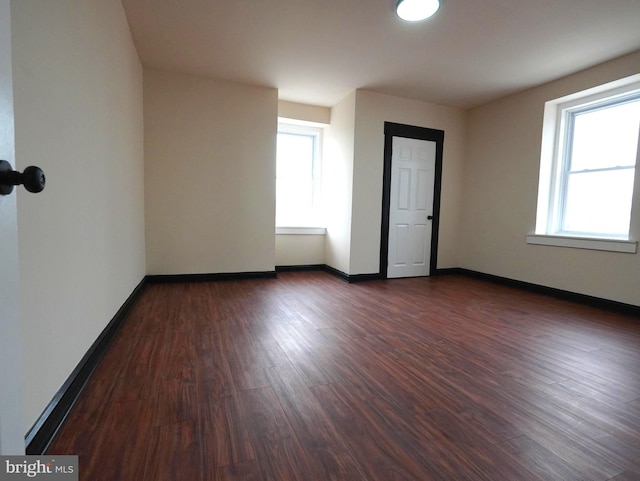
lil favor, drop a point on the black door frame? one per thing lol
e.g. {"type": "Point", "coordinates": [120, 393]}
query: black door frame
{"type": "Point", "coordinates": [421, 133]}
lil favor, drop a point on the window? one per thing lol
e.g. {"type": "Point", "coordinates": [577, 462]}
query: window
{"type": "Point", "coordinates": [597, 168]}
{"type": "Point", "coordinates": [298, 172]}
{"type": "Point", "coordinates": [588, 169]}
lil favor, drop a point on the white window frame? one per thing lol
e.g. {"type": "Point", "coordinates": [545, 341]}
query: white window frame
{"type": "Point", "coordinates": [554, 174]}
{"type": "Point", "coordinates": [314, 224]}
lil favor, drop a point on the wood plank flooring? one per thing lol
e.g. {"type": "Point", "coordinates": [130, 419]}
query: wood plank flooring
{"type": "Point", "coordinates": [305, 377]}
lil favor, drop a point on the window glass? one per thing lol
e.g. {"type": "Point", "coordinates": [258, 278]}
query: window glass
{"type": "Point", "coordinates": [297, 176]}
{"type": "Point", "coordinates": [605, 137]}
{"type": "Point", "coordinates": [599, 203]}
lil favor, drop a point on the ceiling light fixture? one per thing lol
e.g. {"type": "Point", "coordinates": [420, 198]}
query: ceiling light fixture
{"type": "Point", "coordinates": [416, 10]}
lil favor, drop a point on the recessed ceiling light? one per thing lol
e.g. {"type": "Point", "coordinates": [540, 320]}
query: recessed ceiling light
{"type": "Point", "coordinates": [416, 10]}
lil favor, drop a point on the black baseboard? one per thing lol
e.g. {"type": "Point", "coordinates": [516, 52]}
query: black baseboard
{"type": "Point", "coordinates": [304, 268]}
{"type": "Point", "coordinates": [449, 271]}
{"type": "Point", "coordinates": [350, 278]}
{"type": "Point", "coordinates": [335, 272]}
{"type": "Point", "coordinates": [47, 425]}
{"type": "Point", "coordinates": [606, 304]}
{"type": "Point", "coordinates": [224, 276]}
{"type": "Point", "coordinates": [364, 277]}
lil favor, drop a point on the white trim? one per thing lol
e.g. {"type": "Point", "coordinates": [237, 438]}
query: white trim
{"type": "Point", "coordinates": [613, 89]}
{"type": "Point", "coordinates": [301, 230]}
{"type": "Point", "coordinates": [289, 121]}
{"type": "Point", "coordinates": [611, 245]}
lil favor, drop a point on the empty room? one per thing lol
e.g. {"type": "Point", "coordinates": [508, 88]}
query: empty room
{"type": "Point", "coordinates": [296, 240]}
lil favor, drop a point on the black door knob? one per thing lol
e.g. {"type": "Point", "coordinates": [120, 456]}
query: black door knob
{"type": "Point", "coordinates": [32, 178]}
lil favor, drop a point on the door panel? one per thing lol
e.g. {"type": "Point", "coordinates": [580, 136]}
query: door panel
{"type": "Point", "coordinates": [411, 203]}
{"type": "Point", "coordinates": [11, 422]}
{"type": "Point", "coordinates": [418, 248]}
{"type": "Point", "coordinates": [401, 244]}
{"type": "Point", "coordinates": [404, 189]}
{"type": "Point", "coordinates": [423, 199]}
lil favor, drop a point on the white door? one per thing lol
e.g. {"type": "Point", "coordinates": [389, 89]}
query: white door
{"type": "Point", "coordinates": [413, 165]}
{"type": "Point", "coordinates": [11, 421]}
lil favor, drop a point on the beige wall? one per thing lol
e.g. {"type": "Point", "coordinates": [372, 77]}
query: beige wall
{"type": "Point", "coordinates": [372, 110]}
{"type": "Point", "coordinates": [209, 175]}
{"type": "Point", "coordinates": [78, 115]}
{"type": "Point", "coordinates": [304, 112]}
{"type": "Point", "coordinates": [500, 197]}
{"type": "Point", "coordinates": [337, 183]}
{"type": "Point", "coordinates": [299, 249]}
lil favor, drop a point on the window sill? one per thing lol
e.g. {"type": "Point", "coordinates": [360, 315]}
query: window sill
{"type": "Point", "coordinates": [301, 230]}
{"type": "Point", "coordinates": [610, 245]}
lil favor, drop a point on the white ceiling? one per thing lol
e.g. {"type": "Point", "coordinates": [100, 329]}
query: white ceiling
{"type": "Point", "coordinates": [317, 51]}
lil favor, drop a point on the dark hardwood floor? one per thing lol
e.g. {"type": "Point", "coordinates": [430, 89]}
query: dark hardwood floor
{"type": "Point", "coordinates": [306, 377]}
